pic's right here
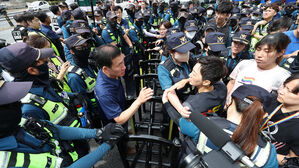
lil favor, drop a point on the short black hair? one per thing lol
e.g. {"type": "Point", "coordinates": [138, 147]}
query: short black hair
{"type": "Point", "coordinates": [29, 16]}
{"type": "Point", "coordinates": [118, 7]}
{"type": "Point", "coordinates": [212, 68]}
{"type": "Point", "coordinates": [74, 6]}
{"type": "Point", "coordinates": [54, 9]}
{"type": "Point", "coordinates": [225, 7]}
{"type": "Point", "coordinates": [289, 79]}
{"type": "Point", "coordinates": [276, 41]}
{"type": "Point", "coordinates": [42, 16]}
{"type": "Point", "coordinates": [104, 55]}
{"type": "Point", "coordinates": [19, 18]}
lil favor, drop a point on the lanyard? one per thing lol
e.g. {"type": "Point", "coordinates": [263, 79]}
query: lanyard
{"type": "Point", "coordinates": [279, 121]}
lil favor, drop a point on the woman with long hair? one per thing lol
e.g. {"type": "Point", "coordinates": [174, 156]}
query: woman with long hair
{"type": "Point", "coordinates": [245, 116]}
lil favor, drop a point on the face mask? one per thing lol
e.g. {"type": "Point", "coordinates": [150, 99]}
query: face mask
{"type": "Point", "coordinates": [182, 57]}
{"type": "Point", "coordinates": [113, 24]}
{"type": "Point", "coordinates": [254, 17]}
{"type": "Point", "coordinates": [139, 23]}
{"type": "Point", "coordinates": [190, 35]}
{"type": "Point", "coordinates": [210, 12]}
{"type": "Point", "coordinates": [81, 56]}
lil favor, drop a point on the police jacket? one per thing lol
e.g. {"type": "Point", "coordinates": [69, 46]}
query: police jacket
{"type": "Point", "coordinates": [24, 148]}
{"type": "Point", "coordinates": [170, 73]}
{"type": "Point", "coordinates": [44, 103]}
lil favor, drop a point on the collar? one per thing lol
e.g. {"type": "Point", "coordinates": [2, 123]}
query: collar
{"type": "Point", "coordinates": [31, 29]}
{"type": "Point", "coordinates": [114, 82]}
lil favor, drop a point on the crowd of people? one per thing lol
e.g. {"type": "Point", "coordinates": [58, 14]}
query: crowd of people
{"type": "Point", "coordinates": [68, 78]}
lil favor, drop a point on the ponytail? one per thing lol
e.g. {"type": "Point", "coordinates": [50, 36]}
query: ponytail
{"type": "Point", "coordinates": [246, 134]}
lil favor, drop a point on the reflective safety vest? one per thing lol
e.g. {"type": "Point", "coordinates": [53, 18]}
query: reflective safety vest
{"type": "Point", "coordinates": [139, 34]}
{"type": "Point", "coordinates": [41, 34]}
{"type": "Point", "coordinates": [89, 81]}
{"type": "Point", "coordinates": [115, 40]}
{"type": "Point", "coordinates": [171, 19]}
{"type": "Point", "coordinates": [58, 65]}
{"type": "Point", "coordinates": [18, 159]}
{"type": "Point", "coordinates": [58, 113]}
{"type": "Point", "coordinates": [176, 75]}
{"type": "Point", "coordinates": [261, 31]}
{"type": "Point", "coordinates": [260, 156]}
{"type": "Point", "coordinates": [130, 23]}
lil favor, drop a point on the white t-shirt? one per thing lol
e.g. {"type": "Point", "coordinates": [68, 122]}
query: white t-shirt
{"type": "Point", "coordinates": [247, 72]}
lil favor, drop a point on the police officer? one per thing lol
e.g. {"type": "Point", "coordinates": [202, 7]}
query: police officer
{"type": "Point", "coordinates": [239, 50]}
{"type": "Point", "coordinates": [215, 45]}
{"type": "Point", "coordinates": [182, 19]}
{"type": "Point", "coordinates": [130, 9]}
{"type": "Point", "coordinates": [175, 67]}
{"type": "Point", "coordinates": [81, 76]}
{"type": "Point", "coordinates": [172, 13]}
{"type": "Point", "coordinates": [67, 20]}
{"type": "Point", "coordinates": [82, 28]}
{"type": "Point", "coordinates": [20, 33]}
{"type": "Point", "coordinates": [42, 102]}
{"type": "Point", "coordinates": [115, 35]}
{"type": "Point", "coordinates": [192, 33]}
{"type": "Point", "coordinates": [99, 25]}
{"type": "Point", "coordinates": [136, 32]}
{"type": "Point", "coordinates": [23, 146]}
{"type": "Point", "coordinates": [120, 21]}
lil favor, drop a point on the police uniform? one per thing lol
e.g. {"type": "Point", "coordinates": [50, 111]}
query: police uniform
{"type": "Point", "coordinates": [169, 72]}
{"type": "Point", "coordinates": [36, 143]}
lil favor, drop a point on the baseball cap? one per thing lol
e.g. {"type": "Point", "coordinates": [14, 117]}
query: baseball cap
{"type": "Point", "coordinates": [147, 13]}
{"type": "Point", "coordinates": [172, 31]}
{"type": "Point", "coordinates": [201, 9]}
{"type": "Point", "coordinates": [236, 16]}
{"type": "Point", "coordinates": [210, 26]}
{"type": "Point", "coordinates": [179, 42]}
{"type": "Point", "coordinates": [81, 26]}
{"type": "Point", "coordinates": [66, 14]}
{"type": "Point", "coordinates": [138, 15]}
{"type": "Point", "coordinates": [242, 92]}
{"type": "Point", "coordinates": [78, 13]}
{"type": "Point", "coordinates": [216, 41]}
{"type": "Point", "coordinates": [210, 6]}
{"type": "Point", "coordinates": [183, 14]}
{"type": "Point", "coordinates": [191, 25]}
{"type": "Point", "coordinates": [75, 40]}
{"type": "Point", "coordinates": [242, 36]}
{"type": "Point", "coordinates": [111, 15]}
{"type": "Point", "coordinates": [98, 12]}
{"type": "Point", "coordinates": [13, 91]}
{"type": "Point", "coordinates": [130, 6]}
{"type": "Point", "coordinates": [185, 6]}
{"type": "Point", "coordinates": [194, 10]}
{"type": "Point", "coordinates": [19, 56]}
{"type": "Point", "coordinates": [236, 10]}
{"type": "Point", "coordinates": [248, 25]}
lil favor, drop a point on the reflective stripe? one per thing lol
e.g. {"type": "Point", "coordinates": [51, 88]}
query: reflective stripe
{"type": "Point", "coordinates": [4, 157]}
{"type": "Point", "coordinates": [201, 145]}
{"type": "Point", "coordinates": [89, 81]}
{"type": "Point", "coordinates": [56, 110]}
{"type": "Point", "coordinates": [260, 155]}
